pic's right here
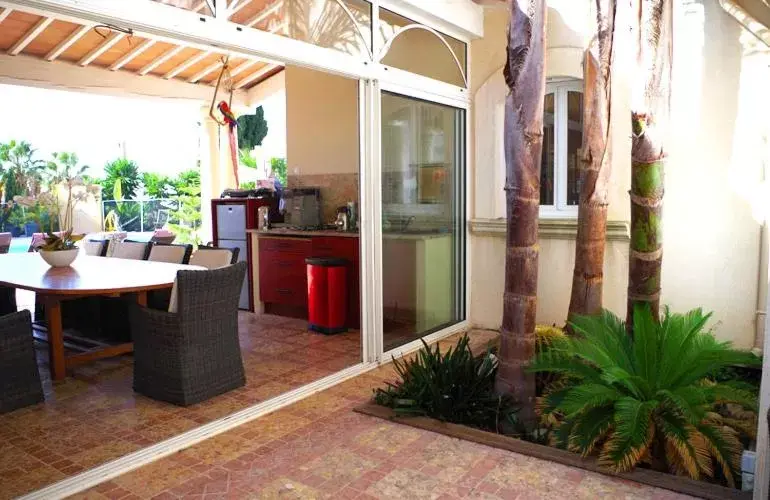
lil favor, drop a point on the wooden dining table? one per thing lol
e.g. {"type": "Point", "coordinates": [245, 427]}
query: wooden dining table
{"type": "Point", "coordinates": [87, 276]}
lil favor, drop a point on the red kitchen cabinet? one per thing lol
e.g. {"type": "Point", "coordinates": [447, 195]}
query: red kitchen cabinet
{"type": "Point", "coordinates": [283, 272]}
{"type": "Point", "coordinates": [282, 276]}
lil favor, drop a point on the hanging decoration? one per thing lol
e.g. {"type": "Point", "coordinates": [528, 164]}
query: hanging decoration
{"type": "Point", "coordinates": [225, 117]}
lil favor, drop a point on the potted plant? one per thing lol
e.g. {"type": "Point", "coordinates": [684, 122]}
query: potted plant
{"type": "Point", "coordinates": [59, 250]}
{"type": "Point", "coordinates": [65, 188]}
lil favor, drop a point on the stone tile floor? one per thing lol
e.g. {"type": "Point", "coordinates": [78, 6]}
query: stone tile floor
{"type": "Point", "coordinates": [94, 416]}
{"type": "Point", "coordinates": [320, 448]}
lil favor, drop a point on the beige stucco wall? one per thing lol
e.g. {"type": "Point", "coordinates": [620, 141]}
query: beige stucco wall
{"type": "Point", "coordinates": [321, 123]}
{"type": "Point", "coordinates": [711, 228]}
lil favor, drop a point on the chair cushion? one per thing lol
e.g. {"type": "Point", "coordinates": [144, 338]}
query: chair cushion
{"type": "Point", "coordinates": [129, 250]}
{"type": "Point", "coordinates": [172, 304]}
{"type": "Point", "coordinates": [167, 253]}
{"type": "Point", "coordinates": [93, 247]}
{"type": "Point", "coordinates": [211, 259]}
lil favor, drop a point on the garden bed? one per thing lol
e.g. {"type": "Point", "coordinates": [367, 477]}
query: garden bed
{"type": "Point", "coordinates": [671, 482]}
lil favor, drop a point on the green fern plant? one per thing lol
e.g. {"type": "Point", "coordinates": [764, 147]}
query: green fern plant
{"type": "Point", "coordinates": [455, 386]}
{"type": "Point", "coordinates": [646, 398]}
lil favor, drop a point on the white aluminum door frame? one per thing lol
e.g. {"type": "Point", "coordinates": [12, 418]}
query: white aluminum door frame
{"type": "Point", "coordinates": [439, 93]}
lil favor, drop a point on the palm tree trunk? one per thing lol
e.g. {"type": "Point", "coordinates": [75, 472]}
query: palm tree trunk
{"type": "Point", "coordinates": [651, 95]}
{"type": "Point", "coordinates": [525, 77]}
{"type": "Point", "coordinates": [588, 276]}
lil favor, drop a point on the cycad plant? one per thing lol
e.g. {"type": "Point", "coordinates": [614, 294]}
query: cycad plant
{"type": "Point", "coordinates": [646, 398]}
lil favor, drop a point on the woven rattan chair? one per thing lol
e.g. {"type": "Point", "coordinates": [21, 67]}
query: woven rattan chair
{"type": "Point", "coordinates": [174, 254]}
{"type": "Point", "coordinates": [193, 354]}
{"type": "Point", "coordinates": [19, 378]}
{"type": "Point", "coordinates": [7, 300]}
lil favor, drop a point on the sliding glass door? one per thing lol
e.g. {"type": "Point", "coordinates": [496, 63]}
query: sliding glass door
{"type": "Point", "coordinates": [423, 218]}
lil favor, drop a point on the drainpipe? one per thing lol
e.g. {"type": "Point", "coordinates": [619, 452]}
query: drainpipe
{"type": "Point", "coordinates": [763, 280]}
{"type": "Point", "coordinates": [762, 285]}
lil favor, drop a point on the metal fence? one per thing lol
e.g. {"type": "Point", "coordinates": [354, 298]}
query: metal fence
{"type": "Point", "coordinates": [142, 215]}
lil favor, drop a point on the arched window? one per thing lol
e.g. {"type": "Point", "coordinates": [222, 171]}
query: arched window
{"type": "Point", "coordinates": [562, 139]}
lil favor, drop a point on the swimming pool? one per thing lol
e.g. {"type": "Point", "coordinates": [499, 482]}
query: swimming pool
{"type": "Point", "coordinates": [19, 245]}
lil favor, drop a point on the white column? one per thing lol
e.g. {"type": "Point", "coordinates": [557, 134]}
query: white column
{"type": "Point", "coordinates": [209, 158]}
{"type": "Point", "coordinates": [225, 174]}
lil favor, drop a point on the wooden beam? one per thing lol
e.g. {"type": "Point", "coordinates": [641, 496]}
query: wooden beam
{"type": "Point", "coordinates": [193, 60]}
{"type": "Point", "coordinates": [265, 13]}
{"type": "Point", "coordinates": [31, 71]}
{"type": "Point", "coordinates": [242, 67]}
{"type": "Point", "coordinates": [205, 71]}
{"type": "Point", "coordinates": [255, 76]}
{"type": "Point", "coordinates": [131, 54]}
{"type": "Point", "coordinates": [236, 7]}
{"type": "Point", "coordinates": [30, 35]}
{"type": "Point", "coordinates": [161, 59]}
{"type": "Point", "coordinates": [73, 37]}
{"type": "Point", "coordinates": [5, 13]}
{"type": "Point", "coordinates": [102, 48]}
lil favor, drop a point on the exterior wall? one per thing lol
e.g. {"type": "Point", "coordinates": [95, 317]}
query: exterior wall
{"type": "Point", "coordinates": [711, 222]}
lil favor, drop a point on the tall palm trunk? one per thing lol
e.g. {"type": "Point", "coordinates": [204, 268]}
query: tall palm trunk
{"type": "Point", "coordinates": [525, 77]}
{"type": "Point", "coordinates": [588, 276]}
{"type": "Point", "coordinates": [650, 108]}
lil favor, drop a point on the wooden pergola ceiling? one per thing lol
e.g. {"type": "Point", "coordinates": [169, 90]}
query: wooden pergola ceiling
{"type": "Point", "coordinates": [57, 40]}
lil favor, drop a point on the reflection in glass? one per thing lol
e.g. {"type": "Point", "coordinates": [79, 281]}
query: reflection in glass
{"type": "Point", "coordinates": [193, 5]}
{"type": "Point", "coordinates": [574, 142]}
{"type": "Point", "coordinates": [549, 150]}
{"type": "Point", "coordinates": [343, 25]}
{"type": "Point", "coordinates": [420, 51]}
{"type": "Point", "coordinates": [423, 218]}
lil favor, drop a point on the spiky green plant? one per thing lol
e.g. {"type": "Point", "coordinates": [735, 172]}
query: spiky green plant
{"type": "Point", "coordinates": [455, 386]}
{"type": "Point", "coordinates": [646, 398]}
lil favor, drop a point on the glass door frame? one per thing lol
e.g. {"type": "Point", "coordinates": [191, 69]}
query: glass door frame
{"type": "Point", "coordinates": [396, 81]}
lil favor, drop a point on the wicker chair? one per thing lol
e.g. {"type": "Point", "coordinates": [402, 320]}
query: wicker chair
{"type": "Point", "coordinates": [193, 354]}
{"type": "Point", "coordinates": [19, 378]}
{"type": "Point", "coordinates": [7, 300]}
{"type": "Point", "coordinates": [174, 254]}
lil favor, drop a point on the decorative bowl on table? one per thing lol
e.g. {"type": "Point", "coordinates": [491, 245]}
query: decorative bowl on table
{"type": "Point", "coordinates": [59, 249]}
{"type": "Point", "coordinates": [59, 258]}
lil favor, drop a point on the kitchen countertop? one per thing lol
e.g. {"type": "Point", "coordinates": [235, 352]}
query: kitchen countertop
{"type": "Point", "coordinates": [297, 233]}
{"type": "Point", "coordinates": [293, 233]}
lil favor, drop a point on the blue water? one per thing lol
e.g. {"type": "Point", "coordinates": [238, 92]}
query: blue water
{"type": "Point", "coordinates": [19, 245]}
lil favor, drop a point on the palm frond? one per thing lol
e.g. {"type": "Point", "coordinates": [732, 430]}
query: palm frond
{"type": "Point", "coordinates": [589, 428]}
{"type": "Point", "coordinates": [634, 430]}
{"type": "Point", "coordinates": [724, 447]}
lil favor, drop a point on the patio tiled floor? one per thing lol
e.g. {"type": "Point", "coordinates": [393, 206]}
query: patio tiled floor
{"type": "Point", "coordinates": [95, 416]}
{"type": "Point", "coordinates": [320, 448]}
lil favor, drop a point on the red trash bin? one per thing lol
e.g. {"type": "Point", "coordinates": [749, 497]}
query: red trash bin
{"type": "Point", "coordinates": [327, 295]}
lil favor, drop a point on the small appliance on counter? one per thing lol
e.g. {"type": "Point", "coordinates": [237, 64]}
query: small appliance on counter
{"type": "Point", "coordinates": [303, 207]}
{"type": "Point", "coordinates": [343, 219]}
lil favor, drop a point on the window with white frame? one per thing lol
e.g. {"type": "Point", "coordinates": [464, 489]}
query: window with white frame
{"type": "Point", "coordinates": [562, 139]}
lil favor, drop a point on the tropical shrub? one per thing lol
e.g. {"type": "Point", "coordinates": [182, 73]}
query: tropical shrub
{"type": "Point", "coordinates": [20, 169]}
{"type": "Point", "coordinates": [188, 216]}
{"type": "Point", "coordinates": [455, 387]}
{"type": "Point", "coordinates": [121, 180]}
{"type": "Point", "coordinates": [278, 167]}
{"type": "Point", "coordinates": [252, 129]}
{"type": "Point", "coordinates": [157, 186]}
{"type": "Point", "coordinates": [186, 179]}
{"type": "Point", "coordinates": [646, 399]}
